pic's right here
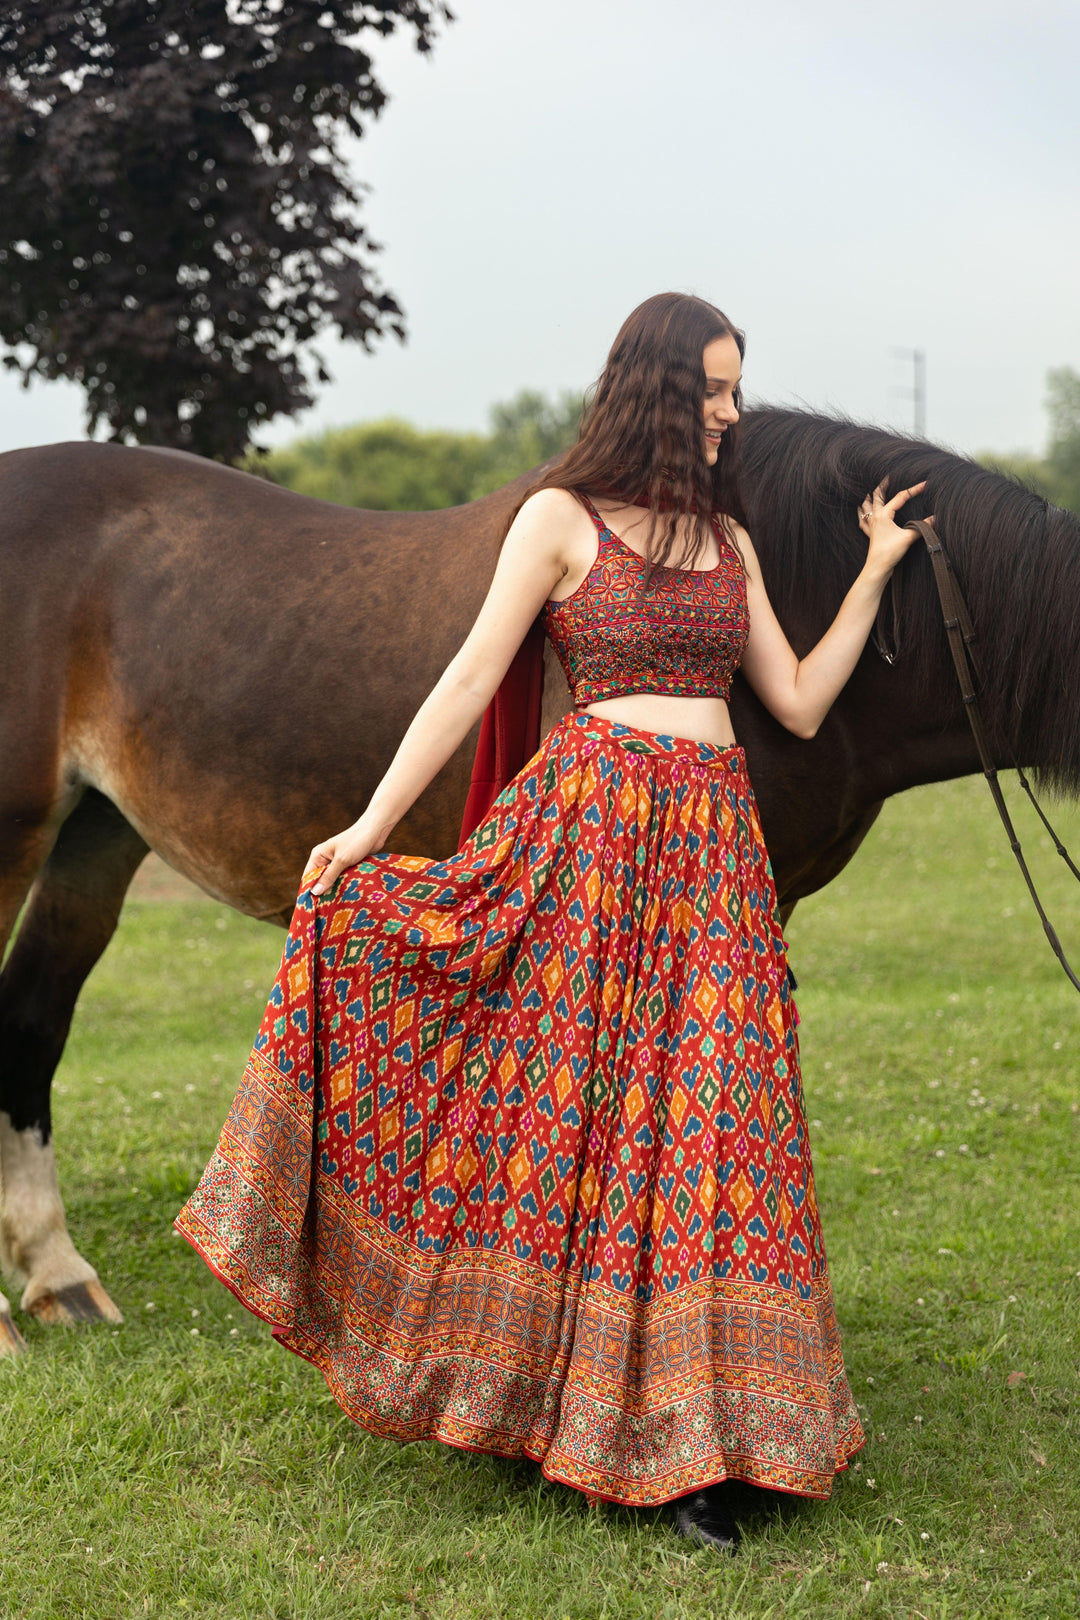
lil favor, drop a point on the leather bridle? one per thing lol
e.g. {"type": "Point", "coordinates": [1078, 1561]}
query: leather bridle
{"type": "Point", "coordinates": [961, 634]}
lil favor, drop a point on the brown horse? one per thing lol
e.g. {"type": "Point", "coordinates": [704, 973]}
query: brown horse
{"type": "Point", "coordinates": [203, 664]}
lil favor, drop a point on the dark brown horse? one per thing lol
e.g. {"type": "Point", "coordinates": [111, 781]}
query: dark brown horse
{"type": "Point", "coordinates": [203, 664]}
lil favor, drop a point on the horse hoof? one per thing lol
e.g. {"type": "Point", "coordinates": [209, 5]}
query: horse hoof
{"type": "Point", "coordinates": [12, 1342]}
{"type": "Point", "coordinates": [82, 1302]}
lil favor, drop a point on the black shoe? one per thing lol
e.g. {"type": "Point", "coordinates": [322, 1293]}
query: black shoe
{"type": "Point", "coordinates": [705, 1516]}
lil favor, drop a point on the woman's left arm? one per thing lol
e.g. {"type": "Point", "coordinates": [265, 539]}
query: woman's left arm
{"type": "Point", "coordinates": [801, 691]}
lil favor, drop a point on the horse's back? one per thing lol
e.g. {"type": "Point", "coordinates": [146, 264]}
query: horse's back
{"type": "Point", "coordinates": [219, 656]}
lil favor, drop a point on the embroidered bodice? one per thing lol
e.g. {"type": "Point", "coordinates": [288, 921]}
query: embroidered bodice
{"type": "Point", "coordinates": [684, 637]}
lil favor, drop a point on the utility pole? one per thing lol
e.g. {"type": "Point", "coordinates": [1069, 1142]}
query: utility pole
{"type": "Point", "coordinates": [918, 389]}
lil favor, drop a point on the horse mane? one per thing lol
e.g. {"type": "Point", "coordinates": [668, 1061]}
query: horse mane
{"type": "Point", "coordinates": [1016, 556]}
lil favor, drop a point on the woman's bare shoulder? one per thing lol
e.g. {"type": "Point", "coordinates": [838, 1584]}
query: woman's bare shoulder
{"type": "Point", "coordinates": [552, 527]}
{"type": "Point", "coordinates": [733, 527]}
{"type": "Point", "coordinates": [559, 506]}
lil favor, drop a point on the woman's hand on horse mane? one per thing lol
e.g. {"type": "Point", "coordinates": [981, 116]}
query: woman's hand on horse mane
{"type": "Point", "coordinates": [800, 692]}
{"type": "Point", "coordinates": [887, 540]}
{"type": "Point", "coordinates": [542, 544]}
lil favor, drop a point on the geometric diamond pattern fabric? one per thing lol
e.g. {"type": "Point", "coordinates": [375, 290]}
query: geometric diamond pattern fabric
{"type": "Point", "coordinates": [520, 1157]}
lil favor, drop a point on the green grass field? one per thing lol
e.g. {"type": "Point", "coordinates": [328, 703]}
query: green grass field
{"type": "Point", "coordinates": [184, 1464]}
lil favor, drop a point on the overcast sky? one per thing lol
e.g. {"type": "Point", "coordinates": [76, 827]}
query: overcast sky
{"type": "Point", "coordinates": [842, 178]}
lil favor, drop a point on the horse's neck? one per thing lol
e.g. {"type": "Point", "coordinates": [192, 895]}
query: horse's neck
{"type": "Point", "coordinates": [818, 799]}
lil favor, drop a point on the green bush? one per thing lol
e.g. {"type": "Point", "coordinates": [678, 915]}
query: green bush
{"type": "Point", "coordinates": [391, 466]}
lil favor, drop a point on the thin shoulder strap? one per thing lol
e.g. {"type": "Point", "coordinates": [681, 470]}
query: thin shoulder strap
{"type": "Point", "coordinates": [594, 514]}
{"type": "Point", "coordinates": [724, 540]}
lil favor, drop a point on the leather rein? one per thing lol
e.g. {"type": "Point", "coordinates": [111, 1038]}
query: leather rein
{"type": "Point", "coordinates": [961, 634]}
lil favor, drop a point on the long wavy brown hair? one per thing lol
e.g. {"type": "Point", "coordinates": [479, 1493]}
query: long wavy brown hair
{"type": "Point", "coordinates": [642, 435]}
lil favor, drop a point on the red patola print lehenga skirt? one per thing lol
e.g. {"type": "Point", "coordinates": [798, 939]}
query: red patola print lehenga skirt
{"type": "Point", "coordinates": [519, 1159]}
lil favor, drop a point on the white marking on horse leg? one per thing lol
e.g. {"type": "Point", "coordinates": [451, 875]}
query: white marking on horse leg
{"type": "Point", "coordinates": [34, 1241]}
{"type": "Point", "coordinates": [11, 1340]}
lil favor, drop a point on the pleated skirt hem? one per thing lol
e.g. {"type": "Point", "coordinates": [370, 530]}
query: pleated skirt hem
{"type": "Point", "coordinates": [699, 1445]}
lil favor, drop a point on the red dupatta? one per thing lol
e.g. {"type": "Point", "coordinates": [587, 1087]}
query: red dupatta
{"type": "Point", "coordinates": [509, 730]}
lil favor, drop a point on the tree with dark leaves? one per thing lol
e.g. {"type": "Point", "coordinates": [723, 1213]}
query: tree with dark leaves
{"type": "Point", "coordinates": [176, 217]}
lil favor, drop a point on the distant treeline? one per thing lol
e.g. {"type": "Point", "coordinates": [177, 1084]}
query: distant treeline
{"type": "Point", "coordinates": [1057, 474]}
{"type": "Point", "coordinates": [391, 466]}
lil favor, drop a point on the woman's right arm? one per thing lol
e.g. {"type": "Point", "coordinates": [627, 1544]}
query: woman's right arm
{"type": "Point", "coordinates": [536, 553]}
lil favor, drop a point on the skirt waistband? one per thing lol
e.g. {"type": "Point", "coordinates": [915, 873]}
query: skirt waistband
{"type": "Point", "coordinates": [635, 741]}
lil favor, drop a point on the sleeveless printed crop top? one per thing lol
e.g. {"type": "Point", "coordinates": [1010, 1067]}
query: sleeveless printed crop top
{"type": "Point", "coordinates": [683, 638]}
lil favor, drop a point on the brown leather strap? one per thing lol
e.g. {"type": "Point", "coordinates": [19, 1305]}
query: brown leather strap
{"type": "Point", "coordinates": [879, 638]}
{"type": "Point", "coordinates": [961, 634]}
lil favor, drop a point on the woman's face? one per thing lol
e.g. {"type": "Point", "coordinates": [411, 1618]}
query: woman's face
{"type": "Point", "coordinates": [723, 373]}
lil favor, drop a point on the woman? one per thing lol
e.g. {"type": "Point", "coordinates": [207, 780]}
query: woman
{"type": "Point", "coordinates": [520, 1158]}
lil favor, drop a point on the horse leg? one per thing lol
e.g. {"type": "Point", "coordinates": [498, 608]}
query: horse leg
{"type": "Point", "coordinates": [24, 845]}
{"type": "Point", "coordinates": [73, 911]}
